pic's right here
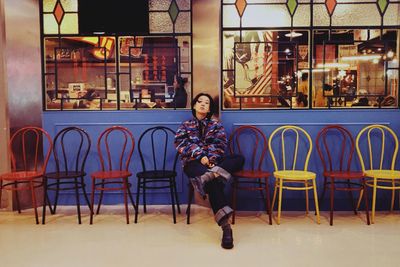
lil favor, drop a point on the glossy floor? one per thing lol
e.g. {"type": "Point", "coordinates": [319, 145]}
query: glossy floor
{"type": "Point", "coordinates": [156, 241]}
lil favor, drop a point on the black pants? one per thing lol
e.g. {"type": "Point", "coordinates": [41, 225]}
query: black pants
{"type": "Point", "coordinates": [215, 187]}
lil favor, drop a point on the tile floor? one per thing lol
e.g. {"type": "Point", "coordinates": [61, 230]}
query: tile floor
{"type": "Point", "coordinates": [156, 241]}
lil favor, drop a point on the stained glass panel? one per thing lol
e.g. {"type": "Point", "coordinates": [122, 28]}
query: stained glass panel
{"type": "Point", "coordinates": [69, 24]}
{"type": "Point", "coordinates": [182, 24]}
{"type": "Point", "coordinates": [230, 16]}
{"type": "Point", "coordinates": [160, 22]}
{"type": "Point", "coordinates": [50, 25]}
{"type": "Point", "coordinates": [70, 5]}
{"type": "Point", "coordinates": [321, 17]}
{"type": "Point", "coordinates": [48, 5]}
{"type": "Point", "coordinates": [159, 5]}
{"type": "Point", "coordinates": [392, 15]}
{"type": "Point", "coordinates": [183, 4]}
{"type": "Point", "coordinates": [275, 16]}
{"type": "Point", "coordinates": [302, 16]}
{"type": "Point", "coordinates": [354, 15]}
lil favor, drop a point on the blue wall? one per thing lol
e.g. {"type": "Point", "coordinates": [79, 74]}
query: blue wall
{"type": "Point", "coordinates": [137, 121]}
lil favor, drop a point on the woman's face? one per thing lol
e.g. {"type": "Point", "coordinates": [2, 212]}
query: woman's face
{"type": "Point", "coordinates": [202, 106]}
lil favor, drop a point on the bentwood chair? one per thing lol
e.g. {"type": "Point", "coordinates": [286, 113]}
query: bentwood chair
{"type": "Point", "coordinates": [27, 165]}
{"type": "Point", "coordinates": [377, 148]}
{"type": "Point", "coordinates": [158, 157]}
{"type": "Point", "coordinates": [115, 148]}
{"type": "Point", "coordinates": [335, 146]}
{"type": "Point", "coordinates": [290, 148]}
{"type": "Point", "coordinates": [71, 147]}
{"type": "Point", "coordinates": [250, 142]}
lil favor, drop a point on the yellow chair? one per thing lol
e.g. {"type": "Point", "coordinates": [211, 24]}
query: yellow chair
{"type": "Point", "coordinates": [291, 172]}
{"type": "Point", "coordinates": [379, 137]}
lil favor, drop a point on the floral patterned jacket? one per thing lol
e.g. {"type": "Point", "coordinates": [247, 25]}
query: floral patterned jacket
{"type": "Point", "coordinates": [195, 139]}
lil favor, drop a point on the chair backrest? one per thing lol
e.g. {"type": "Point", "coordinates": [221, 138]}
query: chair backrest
{"type": "Point", "coordinates": [71, 148]}
{"type": "Point", "coordinates": [26, 149]}
{"type": "Point", "coordinates": [156, 149]}
{"type": "Point", "coordinates": [290, 148]}
{"type": "Point", "coordinates": [381, 146]}
{"type": "Point", "coordinates": [335, 146]}
{"type": "Point", "coordinates": [123, 144]}
{"type": "Point", "coordinates": [250, 142]}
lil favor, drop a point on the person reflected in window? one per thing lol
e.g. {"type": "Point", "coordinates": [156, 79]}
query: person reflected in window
{"type": "Point", "coordinates": [180, 94]}
{"type": "Point", "coordinates": [201, 143]}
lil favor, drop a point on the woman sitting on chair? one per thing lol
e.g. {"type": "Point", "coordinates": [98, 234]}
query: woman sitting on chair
{"type": "Point", "coordinates": [201, 142]}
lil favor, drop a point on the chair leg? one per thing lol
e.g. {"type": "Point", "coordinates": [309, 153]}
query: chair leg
{"type": "Point", "coordinates": [125, 188]}
{"type": "Point", "coordinates": [316, 200]}
{"type": "Point", "coordinates": [176, 196]}
{"type": "Point", "coordinates": [351, 196]}
{"type": "Point", "coordinates": [374, 201]}
{"type": "Point", "coordinates": [137, 199]}
{"type": "Point", "coordinates": [274, 196]}
{"type": "Point", "coordinates": [144, 196]}
{"type": "Point", "coordinates": [393, 196]}
{"type": "Point", "coordinates": [78, 204]}
{"type": "Point", "coordinates": [34, 201]}
{"type": "Point", "coordinates": [101, 196]}
{"type": "Point", "coordinates": [280, 200]}
{"type": "Point", "coordinates": [307, 198]}
{"type": "Point", "coordinates": [84, 192]}
{"type": "Point", "coordinates": [171, 190]}
{"type": "Point", "coordinates": [366, 201]}
{"type": "Point", "coordinates": [332, 196]}
{"type": "Point", "coordinates": [322, 197]}
{"type": "Point", "coordinates": [15, 186]}
{"type": "Point", "coordinates": [234, 196]}
{"type": "Point", "coordinates": [92, 201]}
{"type": "Point", "coordinates": [56, 198]}
{"type": "Point", "coordinates": [44, 200]}
{"type": "Point", "coordinates": [1, 190]}
{"type": "Point", "coordinates": [268, 201]}
{"type": "Point", "coordinates": [190, 199]}
{"type": "Point", "coordinates": [360, 197]}
{"type": "Point", "coordinates": [131, 198]}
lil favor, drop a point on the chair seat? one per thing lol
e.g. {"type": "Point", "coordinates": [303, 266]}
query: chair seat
{"type": "Point", "coordinates": [295, 175]}
{"type": "Point", "coordinates": [383, 174]}
{"type": "Point", "coordinates": [344, 174]}
{"type": "Point", "coordinates": [252, 174]}
{"type": "Point", "coordinates": [64, 175]}
{"type": "Point", "coordinates": [21, 175]}
{"type": "Point", "coordinates": [155, 174]}
{"type": "Point", "coordinates": [110, 174]}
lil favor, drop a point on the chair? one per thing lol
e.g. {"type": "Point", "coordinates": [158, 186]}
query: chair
{"type": "Point", "coordinates": [158, 165]}
{"type": "Point", "coordinates": [249, 140]}
{"type": "Point", "coordinates": [377, 147]}
{"type": "Point", "coordinates": [27, 166]}
{"type": "Point", "coordinates": [71, 147]}
{"type": "Point", "coordinates": [288, 144]}
{"type": "Point", "coordinates": [335, 146]}
{"type": "Point", "coordinates": [113, 173]}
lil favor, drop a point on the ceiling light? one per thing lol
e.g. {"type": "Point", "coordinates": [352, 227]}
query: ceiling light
{"type": "Point", "coordinates": [293, 34]}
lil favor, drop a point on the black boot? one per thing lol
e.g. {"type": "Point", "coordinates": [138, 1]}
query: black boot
{"type": "Point", "coordinates": [227, 237]}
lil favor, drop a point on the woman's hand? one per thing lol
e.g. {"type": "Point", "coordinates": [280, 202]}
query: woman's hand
{"type": "Point", "coordinates": [204, 160]}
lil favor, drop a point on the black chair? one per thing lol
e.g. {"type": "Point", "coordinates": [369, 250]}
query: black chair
{"type": "Point", "coordinates": [158, 164]}
{"type": "Point", "coordinates": [70, 150]}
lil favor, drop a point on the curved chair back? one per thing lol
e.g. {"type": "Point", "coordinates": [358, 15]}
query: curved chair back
{"type": "Point", "coordinates": [381, 146]}
{"type": "Point", "coordinates": [155, 146]}
{"type": "Point", "coordinates": [335, 146]}
{"type": "Point", "coordinates": [26, 149]}
{"type": "Point", "coordinates": [286, 145]}
{"type": "Point", "coordinates": [71, 148]}
{"type": "Point", "coordinates": [249, 140]}
{"type": "Point", "coordinates": [116, 142]}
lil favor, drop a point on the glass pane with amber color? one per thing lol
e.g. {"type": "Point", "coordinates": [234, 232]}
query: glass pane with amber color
{"type": "Point", "coordinates": [160, 22]}
{"type": "Point", "coordinates": [48, 5]}
{"type": "Point", "coordinates": [70, 5]}
{"type": "Point", "coordinates": [69, 24]}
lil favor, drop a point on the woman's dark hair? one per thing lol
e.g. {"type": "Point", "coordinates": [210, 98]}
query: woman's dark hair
{"type": "Point", "coordinates": [212, 104]}
{"type": "Point", "coordinates": [181, 81]}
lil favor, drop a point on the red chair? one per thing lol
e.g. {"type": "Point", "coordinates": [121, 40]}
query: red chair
{"type": "Point", "coordinates": [335, 146]}
{"type": "Point", "coordinates": [118, 173]}
{"type": "Point", "coordinates": [252, 140]}
{"type": "Point", "coordinates": [27, 166]}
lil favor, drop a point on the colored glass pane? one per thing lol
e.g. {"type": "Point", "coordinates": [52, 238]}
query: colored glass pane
{"type": "Point", "coordinates": [182, 24]}
{"type": "Point", "coordinates": [58, 13]}
{"type": "Point", "coordinates": [292, 5]}
{"type": "Point", "coordinates": [183, 4]}
{"type": "Point", "coordinates": [173, 11]}
{"type": "Point", "coordinates": [330, 6]}
{"type": "Point", "coordinates": [241, 6]}
{"type": "Point", "coordinates": [160, 22]}
{"type": "Point", "coordinates": [159, 5]}
{"type": "Point", "coordinates": [48, 5]}
{"type": "Point", "coordinates": [50, 25]}
{"type": "Point", "coordinates": [382, 5]}
{"type": "Point", "coordinates": [69, 24]}
{"type": "Point", "coordinates": [70, 5]}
